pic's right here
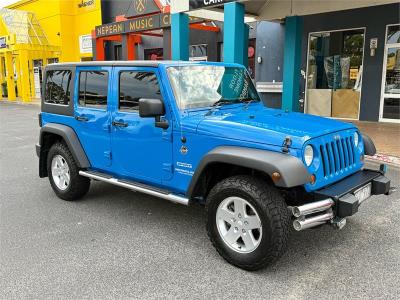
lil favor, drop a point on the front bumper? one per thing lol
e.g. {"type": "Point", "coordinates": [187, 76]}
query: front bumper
{"type": "Point", "coordinates": [342, 192]}
{"type": "Point", "coordinates": [338, 201]}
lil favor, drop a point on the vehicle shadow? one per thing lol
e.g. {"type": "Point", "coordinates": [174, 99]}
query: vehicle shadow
{"type": "Point", "coordinates": [303, 247]}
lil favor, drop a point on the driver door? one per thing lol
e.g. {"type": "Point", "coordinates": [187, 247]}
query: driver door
{"type": "Point", "coordinates": [140, 150]}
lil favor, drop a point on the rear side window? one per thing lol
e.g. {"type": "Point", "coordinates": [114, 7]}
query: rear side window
{"type": "Point", "coordinates": [93, 87]}
{"type": "Point", "coordinates": [57, 87]}
{"type": "Point", "coordinates": [134, 85]}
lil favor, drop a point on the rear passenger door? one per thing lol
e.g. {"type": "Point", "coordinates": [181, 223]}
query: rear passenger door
{"type": "Point", "coordinates": [140, 150]}
{"type": "Point", "coordinates": [92, 117]}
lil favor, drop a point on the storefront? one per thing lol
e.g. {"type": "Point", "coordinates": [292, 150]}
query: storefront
{"type": "Point", "coordinates": [336, 59]}
{"type": "Point", "coordinates": [351, 63]}
{"type": "Point", "coordinates": [34, 33]}
{"type": "Point", "coordinates": [141, 30]}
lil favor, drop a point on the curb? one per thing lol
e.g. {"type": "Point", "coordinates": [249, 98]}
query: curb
{"type": "Point", "coordinates": [384, 158]}
{"type": "Point", "coordinates": [20, 102]}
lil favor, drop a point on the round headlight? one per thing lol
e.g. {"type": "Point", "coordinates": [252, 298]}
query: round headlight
{"type": "Point", "coordinates": [356, 138]}
{"type": "Point", "coordinates": [308, 155]}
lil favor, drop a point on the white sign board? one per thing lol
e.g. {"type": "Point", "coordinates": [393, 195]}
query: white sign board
{"type": "Point", "coordinates": [36, 78]}
{"type": "Point", "coordinates": [85, 43]}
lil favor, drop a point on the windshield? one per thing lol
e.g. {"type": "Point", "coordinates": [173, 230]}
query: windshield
{"type": "Point", "coordinates": [205, 86]}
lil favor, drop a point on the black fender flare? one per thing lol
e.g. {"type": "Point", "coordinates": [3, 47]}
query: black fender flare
{"type": "Point", "coordinates": [70, 138]}
{"type": "Point", "coordinates": [293, 171]}
{"type": "Point", "coordinates": [369, 146]}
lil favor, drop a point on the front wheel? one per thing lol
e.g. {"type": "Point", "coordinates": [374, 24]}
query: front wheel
{"type": "Point", "coordinates": [64, 174]}
{"type": "Point", "coordinates": [247, 222]}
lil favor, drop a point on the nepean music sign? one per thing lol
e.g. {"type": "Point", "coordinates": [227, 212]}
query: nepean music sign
{"type": "Point", "coordinates": [146, 23]}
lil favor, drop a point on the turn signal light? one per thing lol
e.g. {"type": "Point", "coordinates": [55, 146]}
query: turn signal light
{"type": "Point", "coordinates": [313, 179]}
{"type": "Point", "coordinates": [276, 176]}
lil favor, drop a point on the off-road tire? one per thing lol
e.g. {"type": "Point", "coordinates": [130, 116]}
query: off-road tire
{"type": "Point", "coordinates": [273, 213]}
{"type": "Point", "coordinates": [79, 185]}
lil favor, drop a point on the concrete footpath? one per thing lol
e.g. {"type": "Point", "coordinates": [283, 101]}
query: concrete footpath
{"type": "Point", "coordinates": [386, 137]}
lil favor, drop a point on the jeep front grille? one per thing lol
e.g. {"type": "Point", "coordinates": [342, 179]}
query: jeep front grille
{"type": "Point", "coordinates": [337, 155]}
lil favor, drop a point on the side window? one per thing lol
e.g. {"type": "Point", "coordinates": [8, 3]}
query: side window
{"type": "Point", "coordinates": [93, 87]}
{"type": "Point", "coordinates": [57, 87]}
{"type": "Point", "coordinates": [134, 85]}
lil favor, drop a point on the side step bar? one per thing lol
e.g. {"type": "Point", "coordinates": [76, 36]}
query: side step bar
{"type": "Point", "coordinates": [135, 186]}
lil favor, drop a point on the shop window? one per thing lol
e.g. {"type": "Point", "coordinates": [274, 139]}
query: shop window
{"type": "Point", "coordinates": [93, 86]}
{"type": "Point", "coordinates": [393, 35]}
{"type": "Point", "coordinates": [134, 86]}
{"type": "Point", "coordinates": [118, 52]}
{"type": "Point", "coordinates": [198, 52]}
{"type": "Point", "coordinates": [57, 87]}
{"type": "Point", "coordinates": [251, 54]}
{"type": "Point", "coordinates": [154, 54]}
{"type": "Point", "coordinates": [390, 100]}
{"type": "Point", "coordinates": [53, 60]}
{"type": "Point", "coordinates": [334, 73]}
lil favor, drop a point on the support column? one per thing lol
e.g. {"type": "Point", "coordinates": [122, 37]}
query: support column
{"type": "Point", "coordinates": [180, 36]}
{"type": "Point", "coordinates": [166, 44]}
{"type": "Point", "coordinates": [2, 77]}
{"type": "Point", "coordinates": [292, 63]}
{"type": "Point", "coordinates": [234, 33]}
{"type": "Point", "coordinates": [100, 54]}
{"type": "Point", "coordinates": [18, 71]}
{"type": "Point", "coordinates": [10, 76]}
{"type": "Point", "coordinates": [246, 45]}
{"type": "Point", "coordinates": [25, 76]}
{"type": "Point", "coordinates": [131, 47]}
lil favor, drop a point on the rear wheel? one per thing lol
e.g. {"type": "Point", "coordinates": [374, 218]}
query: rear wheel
{"type": "Point", "coordinates": [64, 174]}
{"type": "Point", "coordinates": [247, 222]}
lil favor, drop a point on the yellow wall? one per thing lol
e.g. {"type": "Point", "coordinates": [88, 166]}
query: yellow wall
{"type": "Point", "coordinates": [63, 22]}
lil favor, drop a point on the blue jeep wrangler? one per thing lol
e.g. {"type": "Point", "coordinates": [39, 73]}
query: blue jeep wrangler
{"type": "Point", "coordinates": [198, 133]}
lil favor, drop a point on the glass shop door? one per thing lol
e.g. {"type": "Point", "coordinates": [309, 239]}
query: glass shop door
{"type": "Point", "coordinates": [390, 100]}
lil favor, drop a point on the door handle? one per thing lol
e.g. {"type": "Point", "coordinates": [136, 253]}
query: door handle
{"type": "Point", "coordinates": [82, 118]}
{"type": "Point", "coordinates": [119, 124]}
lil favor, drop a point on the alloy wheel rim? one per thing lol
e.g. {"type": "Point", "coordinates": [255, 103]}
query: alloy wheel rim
{"type": "Point", "coordinates": [239, 225]}
{"type": "Point", "coordinates": [60, 172]}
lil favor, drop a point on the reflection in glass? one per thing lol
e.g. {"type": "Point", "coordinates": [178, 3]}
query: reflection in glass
{"type": "Point", "coordinates": [393, 35]}
{"type": "Point", "coordinates": [392, 85]}
{"type": "Point", "coordinates": [335, 73]}
{"type": "Point", "coordinates": [205, 86]}
{"type": "Point", "coordinates": [391, 108]}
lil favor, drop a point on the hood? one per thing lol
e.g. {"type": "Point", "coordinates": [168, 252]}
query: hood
{"type": "Point", "coordinates": [262, 125]}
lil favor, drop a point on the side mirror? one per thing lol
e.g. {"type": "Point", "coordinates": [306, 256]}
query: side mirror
{"type": "Point", "coordinates": [149, 108]}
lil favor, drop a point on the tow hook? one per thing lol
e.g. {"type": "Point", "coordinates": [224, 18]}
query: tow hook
{"type": "Point", "coordinates": [338, 223]}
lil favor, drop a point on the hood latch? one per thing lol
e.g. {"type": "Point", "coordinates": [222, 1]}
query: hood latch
{"type": "Point", "coordinates": [286, 144]}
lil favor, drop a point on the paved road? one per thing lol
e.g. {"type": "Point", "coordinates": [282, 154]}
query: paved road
{"type": "Point", "coordinates": [120, 244]}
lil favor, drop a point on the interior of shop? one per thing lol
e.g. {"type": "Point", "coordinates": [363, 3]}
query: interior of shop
{"type": "Point", "coordinates": [390, 102]}
{"type": "Point", "coordinates": [334, 73]}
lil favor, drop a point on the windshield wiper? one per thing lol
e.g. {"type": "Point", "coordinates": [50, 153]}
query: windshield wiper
{"type": "Point", "coordinates": [218, 104]}
{"type": "Point", "coordinates": [222, 102]}
{"type": "Point", "coordinates": [248, 101]}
